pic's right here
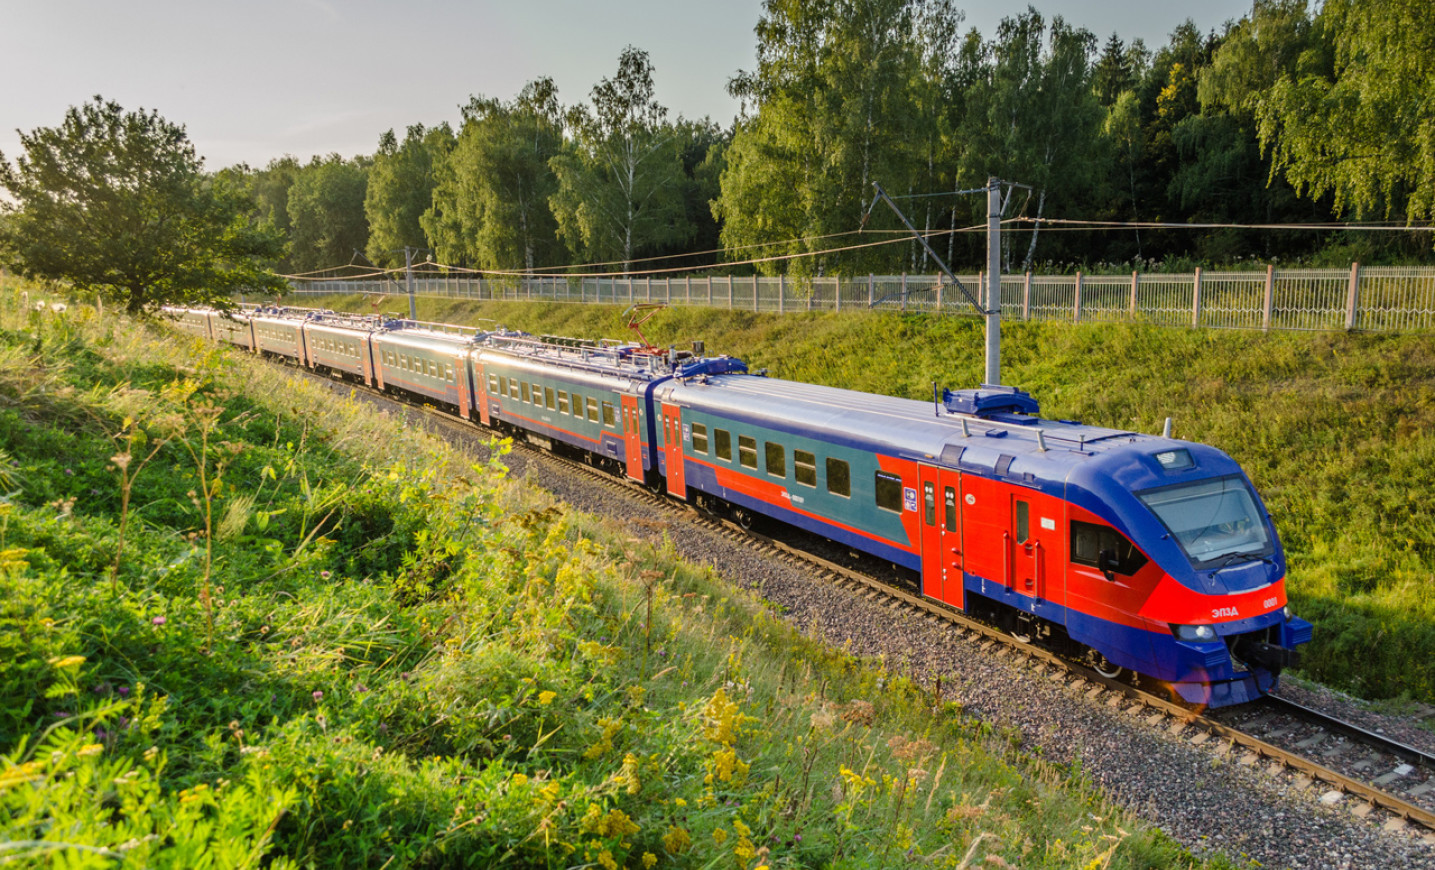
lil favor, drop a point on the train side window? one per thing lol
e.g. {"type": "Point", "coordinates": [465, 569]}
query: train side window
{"type": "Point", "coordinates": [805, 466]}
{"type": "Point", "coordinates": [609, 418]}
{"type": "Point", "coordinates": [700, 438]}
{"type": "Point", "coordinates": [950, 503]}
{"type": "Point", "coordinates": [562, 401]}
{"type": "Point", "coordinates": [889, 491]}
{"type": "Point", "coordinates": [1023, 522]}
{"type": "Point", "coordinates": [929, 502]}
{"type": "Point", "coordinates": [776, 456]}
{"type": "Point", "coordinates": [592, 410]}
{"type": "Point", "coordinates": [1089, 539]}
{"type": "Point", "coordinates": [526, 391]}
{"type": "Point", "coordinates": [723, 443]}
{"type": "Point", "coordinates": [448, 372]}
{"type": "Point", "coordinates": [493, 383]}
{"type": "Point", "coordinates": [747, 451]}
{"type": "Point", "coordinates": [513, 388]}
{"type": "Point", "coordinates": [549, 399]}
{"type": "Point", "coordinates": [839, 477]}
{"type": "Point", "coordinates": [538, 394]}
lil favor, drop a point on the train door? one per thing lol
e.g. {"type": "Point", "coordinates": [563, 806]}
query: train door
{"type": "Point", "coordinates": [378, 363]}
{"type": "Point", "coordinates": [1033, 545]}
{"type": "Point", "coordinates": [941, 535]}
{"type": "Point", "coordinates": [632, 437]}
{"type": "Point", "coordinates": [673, 445]}
{"type": "Point", "coordinates": [366, 360]}
{"type": "Point", "coordinates": [480, 390]}
{"type": "Point", "coordinates": [304, 355]}
{"type": "Point", "coordinates": [465, 394]}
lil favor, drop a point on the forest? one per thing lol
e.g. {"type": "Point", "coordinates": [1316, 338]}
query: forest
{"type": "Point", "coordinates": [1294, 135]}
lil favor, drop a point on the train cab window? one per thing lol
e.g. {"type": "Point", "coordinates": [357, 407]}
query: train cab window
{"type": "Point", "coordinates": [592, 409]}
{"type": "Point", "coordinates": [722, 443]}
{"type": "Point", "coordinates": [610, 419]}
{"type": "Point", "coordinates": [776, 456]}
{"type": "Point", "coordinates": [805, 467]}
{"type": "Point", "coordinates": [1023, 522]}
{"type": "Point", "coordinates": [889, 491]}
{"type": "Point", "coordinates": [526, 392]}
{"type": "Point", "coordinates": [700, 438]}
{"type": "Point", "coordinates": [493, 384]}
{"type": "Point", "coordinates": [929, 503]}
{"type": "Point", "coordinates": [949, 502]}
{"type": "Point", "coordinates": [549, 399]}
{"type": "Point", "coordinates": [1089, 539]}
{"type": "Point", "coordinates": [839, 477]}
{"type": "Point", "coordinates": [562, 401]}
{"type": "Point", "coordinates": [747, 451]}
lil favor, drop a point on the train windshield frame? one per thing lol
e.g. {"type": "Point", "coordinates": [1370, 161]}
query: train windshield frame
{"type": "Point", "coordinates": [1214, 520]}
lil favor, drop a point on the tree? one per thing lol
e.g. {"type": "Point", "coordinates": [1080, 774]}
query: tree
{"type": "Point", "coordinates": [619, 183]}
{"type": "Point", "coordinates": [400, 190]}
{"type": "Point", "coordinates": [491, 198]}
{"type": "Point", "coordinates": [1356, 118]}
{"type": "Point", "coordinates": [1112, 76]}
{"type": "Point", "coordinates": [117, 203]}
{"type": "Point", "coordinates": [326, 213]}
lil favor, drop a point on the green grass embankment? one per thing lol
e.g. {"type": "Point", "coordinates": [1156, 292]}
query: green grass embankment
{"type": "Point", "coordinates": [246, 622]}
{"type": "Point", "coordinates": [1337, 431]}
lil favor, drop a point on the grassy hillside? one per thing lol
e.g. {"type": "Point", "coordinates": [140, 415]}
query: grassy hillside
{"type": "Point", "coordinates": [1336, 430]}
{"type": "Point", "coordinates": [246, 622]}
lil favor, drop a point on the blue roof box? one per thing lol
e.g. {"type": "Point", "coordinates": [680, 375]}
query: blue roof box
{"type": "Point", "coordinates": [989, 401]}
{"type": "Point", "coordinates": [718, 365]}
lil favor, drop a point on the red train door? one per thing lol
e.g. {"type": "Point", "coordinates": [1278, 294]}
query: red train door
{"type": "Point", "coordinates": [985, 528]}
{"type": "Point", "coordinates": [941, 535]}
{"type": "Point", "coordinates": [632, 437]}
{"type": "Point", "coordinates": [465, 395]}
{"type": "Point", "coordinates": [378, 351]}
{"type": "Point", "coordinates": [480, 391]}
{"type": "Point", "coordinates": [673, 445]}
{"type": "Point", "coordinates": [1033, 543]}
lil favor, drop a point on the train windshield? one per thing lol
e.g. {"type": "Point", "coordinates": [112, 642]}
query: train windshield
{"type": "Point", "coordinates": [1213, 520]}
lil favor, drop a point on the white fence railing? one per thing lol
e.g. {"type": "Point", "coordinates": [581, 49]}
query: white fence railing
{"type": "Point", "coordinates": [1360, 298]}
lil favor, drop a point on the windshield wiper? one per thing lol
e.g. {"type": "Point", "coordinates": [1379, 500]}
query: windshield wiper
{"type": "Point", "coordinates": [1243, 557]}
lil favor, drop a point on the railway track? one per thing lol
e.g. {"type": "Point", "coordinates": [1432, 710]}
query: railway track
{"type": "Point", "coordinates": [1381, 779]}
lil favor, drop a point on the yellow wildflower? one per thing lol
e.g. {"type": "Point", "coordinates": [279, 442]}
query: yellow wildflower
{"type": "Point", "coordinates": [546, 698]}
{"type": "Point", "coordinates": [61, 663]}
{"type": "Point", "coordinates": [90, 749]}
{"type": "Point", "coordinates": [520, 779]}
{"type": "Point", "coordinates": [677, 841]}
{"type": "Point", "coordinates": [605, 858]}
{"type": "Point", "coordinates": [650, 860]}
{"type": "Point", "coordinates": [719, 836]}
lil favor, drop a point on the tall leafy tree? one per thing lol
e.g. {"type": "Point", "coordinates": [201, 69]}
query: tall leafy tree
{"type": "Point", "coordinates": [326, 213]}
{"type": "Point", "coordinates": [619, 183]}
{"type": "Point", "coordinates": [400, 190]}
{"type": "Point", "coordinates": [491, 199]}
{"type": "Point", "coordinates": [117, 203]}
{"type": "Point", "coordinates": [1356, 117]}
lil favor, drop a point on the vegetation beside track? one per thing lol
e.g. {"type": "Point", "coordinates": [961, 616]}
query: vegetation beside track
{"type": "Point", "coordinates": [1337, 431]}
{"type": "Point", "coordinates": [248, 622]}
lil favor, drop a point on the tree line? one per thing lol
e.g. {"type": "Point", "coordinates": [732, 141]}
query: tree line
{"type": "Point", "coordinates": [1287, 116]}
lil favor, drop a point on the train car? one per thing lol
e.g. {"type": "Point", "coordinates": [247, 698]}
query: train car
{"type": "Point", "coordinates": [1146, 553]}
{"type": "Point", "coordinates": [233, 327]}
{"type": "Point", "coordinates": [340, 344]}
{"type": "Point", "coordinates": [195, 321]}
{"type": "Point", "coordinates": [277, 333]}
{"type": "Point", "coordinates": [425, 360]}
{"type": "Point", "coordinates": [595, 398]}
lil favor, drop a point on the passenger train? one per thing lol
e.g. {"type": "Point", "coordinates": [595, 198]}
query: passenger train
{"type": "Point", "coordinates": [1140, 553]}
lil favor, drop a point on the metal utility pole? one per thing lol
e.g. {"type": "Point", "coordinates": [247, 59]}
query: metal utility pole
{"type": "Point", "coordinates": [994, 282]}
{"type": "Point", "coordinates": [991, 307]}
{"type": "Point", "coordinates": [409, 280]}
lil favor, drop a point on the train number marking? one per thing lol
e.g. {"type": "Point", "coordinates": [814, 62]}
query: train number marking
{"type": "Point", "coordinates": [1269, 603]}
{"type": "Point", "coordinates": [1224, 613]}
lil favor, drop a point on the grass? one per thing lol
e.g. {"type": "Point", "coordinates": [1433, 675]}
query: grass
{"type": "Point", "coordinates": [330, 640]}
{"type": "Point", "coordinates": [1336, 430]}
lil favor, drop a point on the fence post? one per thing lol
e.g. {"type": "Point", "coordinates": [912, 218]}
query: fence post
{"type": "Point", "coordinates": [1076, 303]}
{"type": "Point", "coordinates": [871, 299]}
{"type": "Point", "coordinates": [837, 294]}
{"type": "Point", "coordinates": [1352, 296]}
{"type": "Point", "coordinates": [1270, 298]}
{"type": "Point", "coordinates": [939, 294]}
{"type": "Point", "coordinates": [754, 291]}
{"type": "Point", "coordinates": [983, 291]}
{"type": "Point", "coordinates": [1135, 287]}
{"type": "Point", "coordinates": [1026, 296]}
{"type": "Point", "coordinates": [904, 291]}
{"type": "Point", "coordinates": [782, 293]}
{"type": "Point", "coordinates": [1196, 300]}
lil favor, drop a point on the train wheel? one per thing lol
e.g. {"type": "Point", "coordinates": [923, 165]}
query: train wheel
{"type": "Point", "coordinates": [1022, 627]}
{"type": "Point", "coordinates": [1103, 666]}
{"type": "Point", "coordinates": [743, 517]}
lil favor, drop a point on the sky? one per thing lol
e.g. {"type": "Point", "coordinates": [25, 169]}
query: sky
{"type": "Point", "coordinates": [252, 80]}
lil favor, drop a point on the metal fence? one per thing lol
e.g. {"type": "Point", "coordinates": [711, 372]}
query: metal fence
{"type": "Point", "coordinates": [1358, 298]}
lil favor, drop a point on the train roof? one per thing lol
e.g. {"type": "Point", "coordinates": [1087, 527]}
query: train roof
{"type": "Point", "coordinates": [985, 436]}
{"type": "Point", "coordinates": [607, 359]}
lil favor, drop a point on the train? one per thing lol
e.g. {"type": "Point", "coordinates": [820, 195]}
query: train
{"type": "Point", "coordinates": [1134, 552]}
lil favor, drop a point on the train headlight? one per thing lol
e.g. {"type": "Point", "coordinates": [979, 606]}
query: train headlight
{"type": "Point", "coordinates": [1195, 632]}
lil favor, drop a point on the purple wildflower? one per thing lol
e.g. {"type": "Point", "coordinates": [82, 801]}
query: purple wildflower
{"type": "Point", "coordinates": [324, 575]}
{"type": "Point", "coordinates": [318, 695]}
{"type": "Point", "coordinates": [124, 691]}
{"type": "Point", "coordinates": [159, 620]}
